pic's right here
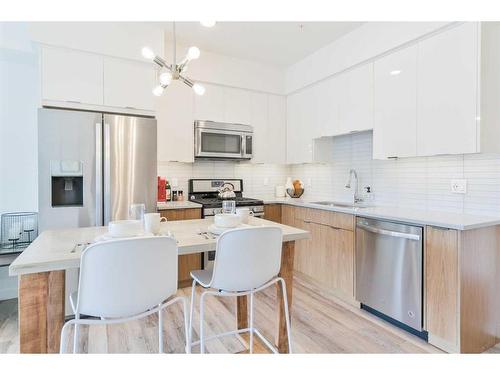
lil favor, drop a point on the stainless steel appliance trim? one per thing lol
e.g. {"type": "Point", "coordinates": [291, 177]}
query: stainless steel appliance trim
{"type": "Point", "coordinates": [106, 173]}
{"type": "Point", "coordinates": [247, 155]}
{"type": "Point", "coordinates": [223, 126]}
{"type": "Point", "coordinates": [98, 175]}
{"type": "Point", "coordinates": [385, 232]}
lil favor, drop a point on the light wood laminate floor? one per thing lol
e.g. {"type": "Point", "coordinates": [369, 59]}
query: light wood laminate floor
{"type": "Point", "coordinates": [320, 324]}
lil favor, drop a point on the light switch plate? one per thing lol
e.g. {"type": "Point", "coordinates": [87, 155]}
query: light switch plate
{"type": "Point", "coordinates": [266, 181]}
{"type": "Point", "coordinates": [459, 186]}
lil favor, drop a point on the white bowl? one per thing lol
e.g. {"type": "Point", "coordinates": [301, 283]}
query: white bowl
{"type": "Point", "coordinates": [125, 228]}
{"type": "Point", "coordinates": [227, 220]}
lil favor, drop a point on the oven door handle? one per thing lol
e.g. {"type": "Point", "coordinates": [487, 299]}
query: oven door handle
{"type": "Point", "coordinates": [390, 233]}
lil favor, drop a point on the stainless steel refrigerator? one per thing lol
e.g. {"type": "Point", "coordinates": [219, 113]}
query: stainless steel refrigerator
{"type": "Point", "coordinates": [93, 166]}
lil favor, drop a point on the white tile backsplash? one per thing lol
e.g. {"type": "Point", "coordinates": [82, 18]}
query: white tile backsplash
{"type": "Point", "coordinates": [253, 175]}
{"type": "Point", "coordinates": [422, 182]}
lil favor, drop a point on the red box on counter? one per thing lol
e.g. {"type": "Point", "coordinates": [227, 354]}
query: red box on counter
{"type": "Point", "coordinates": [162, 192]}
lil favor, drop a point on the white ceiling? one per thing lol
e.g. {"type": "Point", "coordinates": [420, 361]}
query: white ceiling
{"type": "Point", "coordinates": [276, 43]}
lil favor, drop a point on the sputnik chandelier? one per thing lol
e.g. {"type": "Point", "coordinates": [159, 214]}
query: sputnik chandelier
{"type": "Point", "coordinates": [169, 72]}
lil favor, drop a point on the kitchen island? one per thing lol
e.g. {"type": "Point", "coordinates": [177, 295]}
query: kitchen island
{"type": "Point", "coordinates": [41, 270]}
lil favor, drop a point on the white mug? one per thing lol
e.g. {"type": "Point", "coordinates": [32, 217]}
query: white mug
{"type": "Point", "coordinates": [244, 214]}
{"type": "Point", "coordinates": [152, 222]}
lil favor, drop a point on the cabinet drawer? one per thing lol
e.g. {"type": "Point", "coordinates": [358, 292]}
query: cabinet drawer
{"type": "Point", "coordinates": [330, 218]}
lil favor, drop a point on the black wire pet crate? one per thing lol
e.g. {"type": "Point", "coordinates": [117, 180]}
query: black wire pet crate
{"type": "Point", "coordinates": [19, 229]}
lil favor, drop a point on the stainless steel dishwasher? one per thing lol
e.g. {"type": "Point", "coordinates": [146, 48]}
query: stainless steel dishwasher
{"type": "Point", "coordinates": [389, 271]}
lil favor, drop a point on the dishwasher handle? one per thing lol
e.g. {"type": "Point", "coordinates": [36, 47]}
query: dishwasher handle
{"type": "Point", "coordinates": [385, 232]}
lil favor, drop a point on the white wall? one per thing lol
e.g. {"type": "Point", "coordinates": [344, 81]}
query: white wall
{"type": "Point", "coordinates": [19, 97]}
{"type": "Point", "coordinates": [230, 71]}
{"type": "Point", "coordinates": [362, 44]}
{"type": "Point", "coordinates": [119, 39]}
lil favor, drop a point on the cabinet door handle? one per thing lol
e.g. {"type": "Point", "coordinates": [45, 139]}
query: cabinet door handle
{"type": "Point", "coordinates": [325, 225]}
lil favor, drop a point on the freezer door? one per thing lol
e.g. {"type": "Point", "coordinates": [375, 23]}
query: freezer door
{"type": "Point", "coordinates": [68, 137]}
{"type": "Point", "coordinates": [129, 161]}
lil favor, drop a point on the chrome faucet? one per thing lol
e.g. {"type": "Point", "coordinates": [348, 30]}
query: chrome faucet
{"type": "Point", "coordinates": [352, 172]}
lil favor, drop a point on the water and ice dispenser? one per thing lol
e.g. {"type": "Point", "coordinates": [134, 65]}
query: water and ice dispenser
{"type": "Point", "coordinates": [67, 183]}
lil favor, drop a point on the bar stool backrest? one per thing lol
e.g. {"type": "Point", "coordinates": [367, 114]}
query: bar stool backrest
{"type": "Point", "coordinates": [121, 278]}
{"type": "Point", "coordinates": [247, 258]}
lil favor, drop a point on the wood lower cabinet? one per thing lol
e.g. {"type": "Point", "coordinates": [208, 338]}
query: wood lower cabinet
{"type": "Point", "coordinates": [461, 288]}
{"type": "Point", "coordinates": [328, 255]}
{"type": "Point", "coordinates": [190, 262]}
{"type": "Point", "coordinates": [441, 284]}
{"type": "Point", "coordinates": [272, 212]}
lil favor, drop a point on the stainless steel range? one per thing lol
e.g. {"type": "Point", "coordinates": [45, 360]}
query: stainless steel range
{"type": "Point", "coordinates": [206, 193]}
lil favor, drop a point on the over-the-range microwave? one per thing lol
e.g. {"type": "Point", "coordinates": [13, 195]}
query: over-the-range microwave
{"type": "Point", "coordinates": [219, 140]}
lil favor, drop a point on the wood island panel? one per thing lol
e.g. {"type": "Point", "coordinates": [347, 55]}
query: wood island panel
{"type": "Point", "coordinates": [41, 309]}
{"type": "Point", "coordinates": [187, 263]}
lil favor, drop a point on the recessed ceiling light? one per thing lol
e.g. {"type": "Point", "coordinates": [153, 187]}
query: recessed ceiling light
{"type": "Point", "coordinates": [207, 23]}
{"type": "Point", "coordinates": [395, 72]}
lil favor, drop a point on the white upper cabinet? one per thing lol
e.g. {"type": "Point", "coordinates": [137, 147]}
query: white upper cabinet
{"type": "Point", "coordinates": [210, 106]}
{"type": "Point", "coordinates": [258, 120]}
{"type": "Point", "coordinates": [237, 106]}
{"type": "Point", "coordinates": [84, 80]}
{"type": "Point", "coordinates": [128, 84]}
{"type": "Point", "coordinates": [355, 100]}
{"type": "Point", "coordinates": [71, 76]}
{"type": "Point", "coordinates": [268, 118]}
{"type": "Point", "coordinates": [395, 105]}
{"type": "Point", "coordinates": [328, 107]}
{"type": "Point", "coordinates": [299, 145]}
{"type": "Point", "coordinates": [447, 97]}
{"type": "Point", "coordinates": [174, 113]}
{"type": "Point", "coordinates": [276, 130]}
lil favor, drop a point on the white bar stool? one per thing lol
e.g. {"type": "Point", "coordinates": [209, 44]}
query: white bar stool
{"type": "Point", "coordinates": [123, 280]}
{"type": "Point", "coordinates": [247, 260]}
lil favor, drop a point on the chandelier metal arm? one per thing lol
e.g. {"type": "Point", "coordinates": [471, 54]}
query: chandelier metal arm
{"type": "Point", "coordinates": [175, 70]}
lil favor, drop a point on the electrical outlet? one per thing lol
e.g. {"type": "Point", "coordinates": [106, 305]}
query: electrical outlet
{"type": "Point", "coordinates": [266, 181]}
{"type": "Point", "coordinates": [175, 182]}
{"type": "Point", "coordinates": [309, 182]}
{"type": "Point", "coordinates": [459, 186]}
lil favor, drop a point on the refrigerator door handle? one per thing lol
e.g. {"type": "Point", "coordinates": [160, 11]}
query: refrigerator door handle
{"type": "Point", "coordinates": [98, 175]}
{"type": "Point", "coordinates": [106, 173]}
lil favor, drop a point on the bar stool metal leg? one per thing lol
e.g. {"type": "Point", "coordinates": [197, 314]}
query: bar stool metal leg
{"type": "Point", "coordinates": [160, 329]}
{"type": "Point", "coordinates": [76, 335]}
{"type": "Point", "coordinates": [191, 312]}
{"type": "Point", "coordinates": [202, 318]}
{"type": "Point", "coordinates": [251, 322]}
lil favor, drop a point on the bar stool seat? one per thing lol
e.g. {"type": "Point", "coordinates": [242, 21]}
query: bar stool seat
{"type": "Point", "coordinates": [202, 277]}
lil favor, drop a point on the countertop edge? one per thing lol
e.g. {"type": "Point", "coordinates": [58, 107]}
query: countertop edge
{"type": "Point", "coordinates": [364, 212]}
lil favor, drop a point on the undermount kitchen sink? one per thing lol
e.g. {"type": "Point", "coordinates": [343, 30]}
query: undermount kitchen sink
{"type": "Point", "coordinates": [341, 204]}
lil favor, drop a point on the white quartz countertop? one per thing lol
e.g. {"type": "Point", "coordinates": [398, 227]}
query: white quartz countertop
{"type": "Point", "coordinates": [61, 249]}
{"type": "Point", "coordinates": [407, 215]}
{"type": "Point", "coordinates": [177, 205]}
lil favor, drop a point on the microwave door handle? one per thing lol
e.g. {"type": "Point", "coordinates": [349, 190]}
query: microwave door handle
{"type": "Point", "coordinates": [242, 146]}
